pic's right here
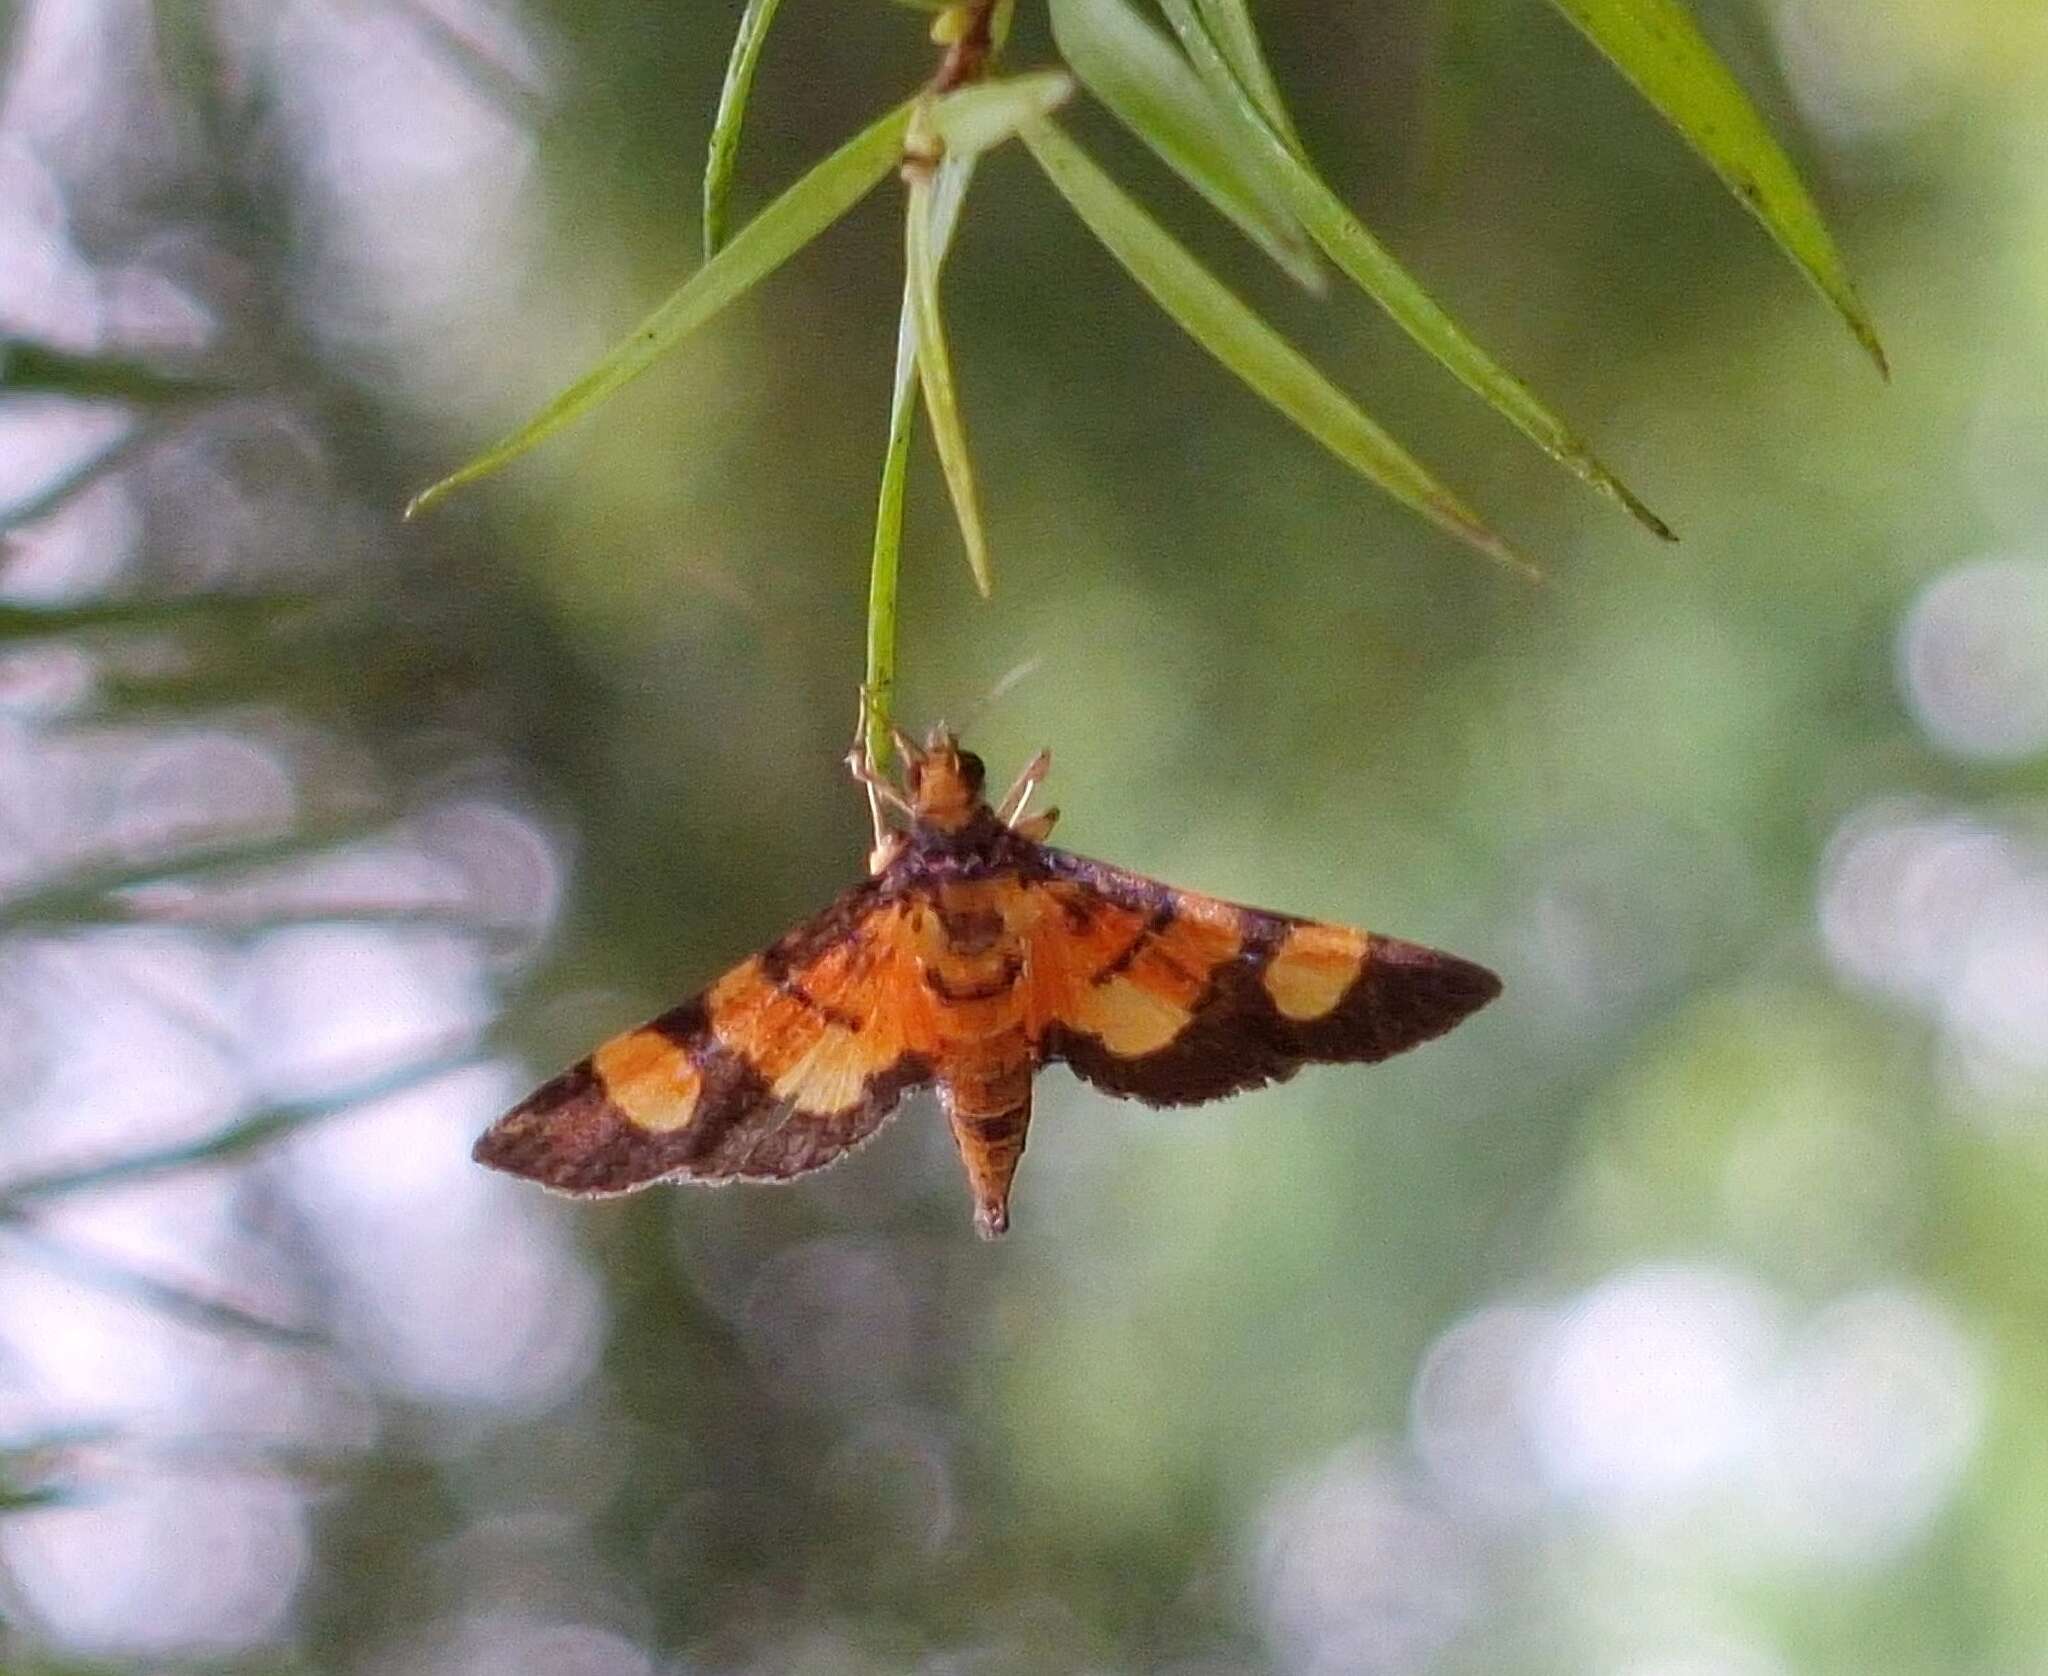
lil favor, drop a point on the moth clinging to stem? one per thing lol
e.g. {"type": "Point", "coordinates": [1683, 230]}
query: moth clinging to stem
{"type": "Point", "coordinates": [974, 953]}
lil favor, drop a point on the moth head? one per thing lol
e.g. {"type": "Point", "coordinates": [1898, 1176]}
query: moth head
{"type": "Point", "coordinates": [945, 782]}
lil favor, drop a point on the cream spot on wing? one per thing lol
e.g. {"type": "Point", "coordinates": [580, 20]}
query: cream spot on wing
{"type": "Point", "coordinates": [832, 1074]}
{"type": "Point", "coordinates": [649, 1078]}
{"type": "Point", "coordinates": [1313, 968]}
{"type": "Point", "coordinates": [1129, 1018]}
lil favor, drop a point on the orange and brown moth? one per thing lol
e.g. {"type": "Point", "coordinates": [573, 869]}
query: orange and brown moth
{"type": "Point", "coordinates": [973, 954]}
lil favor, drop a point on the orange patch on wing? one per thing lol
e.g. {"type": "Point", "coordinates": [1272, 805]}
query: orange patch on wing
{"type": "Point", "coordinates": [650, 1078]}
{"type": "Point", "coordinates": [1314, 968]}
{"type": "Point", "coordinates": [1071, 934]}
{"type": "Point", "coordinates": [763, 1024]}
{"type": "Point", "coordinates": [819, 1040]}
{"type": "Point", "coordinates": [1186, 954]}
{"type": "Point", "coordinates": [1108, 971]}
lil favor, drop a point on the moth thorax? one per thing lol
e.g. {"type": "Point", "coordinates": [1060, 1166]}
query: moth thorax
{"type": "Point", "coordinates": [945, 786]}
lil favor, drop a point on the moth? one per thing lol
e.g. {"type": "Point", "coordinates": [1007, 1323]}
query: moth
{"type": "Point", "coordinates": [973, 954]}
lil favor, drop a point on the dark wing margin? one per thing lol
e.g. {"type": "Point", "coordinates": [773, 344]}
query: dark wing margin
{"type": "Point", "coordinates": [783, 1066]}
{"type": "Point", "coordinates": [1257, 995]}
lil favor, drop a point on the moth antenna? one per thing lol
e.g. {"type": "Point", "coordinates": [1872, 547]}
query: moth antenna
{"type": "Point", "coordinates": [1014, 676]}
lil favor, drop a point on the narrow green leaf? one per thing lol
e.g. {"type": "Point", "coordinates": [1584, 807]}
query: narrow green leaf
{"type": "Point", "coordinates": [34, 622]}
{"type": "Point", "coordinates": [262, 917]}
{"type": "Point", "coordinates": [878, 685]}
{"type": "Point", "coordinates": [949, 192]}
{"type": "Point", "coordinates": [763, 245]}
{"type": "Point", "coordinates": [1151, 89]}
{"type": "Point", "coordinates": [1372, 267]}
{"type": "Point", "coordinates": [1229, 23]}
{"type": "Point", "coordinates": [174, 1298]}
{"type": "Point", "coordinates": [1223, 325]}
{"type": "Point", "coordinates": [237, 1140]}
{"type": "Point", "coordinates": [82, 475]}
{"type": "Point", "coordinates": [935, 373]}
{"type": "Point", "coordinates": [732, 115]}
{"type": "Point", "coordinates": [36, 369]}
{"type": "Point", "coordinates": [38, 1448]}
{"type": "Point", "coordinates": [470, 58]}
{"type": "Point", "coordinates": [75, 895]}
{"type": "Point", "coordinates": [29, 1468]}
{"type": "Point", "coordinates": [984, 115]}
{"type": "Point", "coordinates": [1657, 46]}
{"type": "Point", "coordinates": [13, 1500]}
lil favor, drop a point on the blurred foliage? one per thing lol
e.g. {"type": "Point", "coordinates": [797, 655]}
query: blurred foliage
{"type": "Point", "coordinates": [1680, 1312]}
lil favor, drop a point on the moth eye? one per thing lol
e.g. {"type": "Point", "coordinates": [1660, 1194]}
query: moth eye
{"type": "Point", "coordinates": [971, 770]}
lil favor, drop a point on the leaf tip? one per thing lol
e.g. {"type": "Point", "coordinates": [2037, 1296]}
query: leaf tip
{"type": "Point", "coordinates": [1643, 515]}
{"type": "Point", "coordinates": [1497, 548]}
{"type": "Point", "coordinates": [422, 501]}
{"type": "Point", "coordinates": [1300, 264]}
{"type": "Point", "coordinates": [1593, 472]}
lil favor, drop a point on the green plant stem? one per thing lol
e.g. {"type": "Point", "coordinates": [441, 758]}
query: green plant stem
{"type": "Point", "coordinates": [949, 191]}
{"type": "Point", "coordinates": [879, 687]}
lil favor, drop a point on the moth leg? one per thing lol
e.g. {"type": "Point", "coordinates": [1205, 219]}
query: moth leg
{"type": "Point", "coordinates": [880, 792]}
{"type": "Point", "coordinates": [881, 795]}
{"type": "Point", "coordinates": [1011, 809]}
{"type": "Point", "coordinates": [887, 843]}
{"type": "Point", "coordinates": [861, 765]}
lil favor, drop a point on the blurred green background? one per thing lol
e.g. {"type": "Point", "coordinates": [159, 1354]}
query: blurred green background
{"type": "Point", "coordinates": [1680, 1314]}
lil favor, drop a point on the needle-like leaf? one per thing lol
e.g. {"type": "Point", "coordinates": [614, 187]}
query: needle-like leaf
{"type": "Point", "coordinates": [1218, 320]}
{"type": "Point", "coordinates": [237, 1139]}
{"type": "Point", "coordinates": [1230, 25]}
{"type": "Point", "coordinates": [1152, 90]}
{"type": "Point", "coordinates": [935, 374]}
{"type": "Point", "coordinates": [1658, 46]}
{"type": "Point", "coordinates": [109, 456]}
{"type": "Point", "coordinates": [1375, 271]}
{"type": "Point", "coordinates": [76, 895]}
{"type": "Point", "coordinates": [33, 368]}
{"type": "Point", "coordinates": [14, 1500]}
{"type": "Point", "coordinates": [949, 192]}
{"type": "Point", "coordinates": [248, 611]}
{"type": "Point", "coordinates": [763, 245]}
{"type": "Point", "coordinates": [179, 1299]}
{"type": "Point", "coordinates": [732, 115]}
